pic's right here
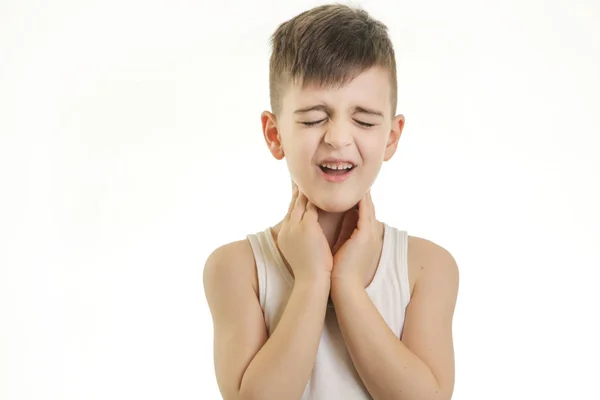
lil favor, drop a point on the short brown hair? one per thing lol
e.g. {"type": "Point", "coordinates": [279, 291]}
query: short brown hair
{"type": "Point", "coordinates": [328, 46]}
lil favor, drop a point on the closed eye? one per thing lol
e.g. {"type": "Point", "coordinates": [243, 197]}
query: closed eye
{"type": "Point", "coordinates": [312, 123]}
{"type": "Point", "coordinates": [364, 124]}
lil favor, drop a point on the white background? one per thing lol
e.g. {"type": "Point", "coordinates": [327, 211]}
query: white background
{"type": "Point", "coordinates": [131, 147]}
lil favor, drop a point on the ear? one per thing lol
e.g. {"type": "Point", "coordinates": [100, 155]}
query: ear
{"type": "Point", "coordinates": [271, 134]}
{"type": "Point", "coordinates": [394, 137]}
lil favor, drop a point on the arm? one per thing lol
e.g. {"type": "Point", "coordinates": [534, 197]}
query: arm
{"type": "Point", "coordinates": [249, 365]}
{"type": "Point", "coordinates": [421, 366]}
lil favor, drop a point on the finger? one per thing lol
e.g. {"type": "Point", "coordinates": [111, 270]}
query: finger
{"type": "Point", "coordinates": [363, 213]}
{"type": "Point", "coordinates": [338, 241]}
{"type": "Point", "coordinates": [346, 229]}
{"type": "Point", "coordinates": [311, 212]}
{"type": "Point", "coordinates": [371, 206]}
{"type": "Point", "coordinates": [292, 202]}
{"type": "Point", "coordinates": [299, 207]}
{"type": "Point", "coordinates": [335, 247]}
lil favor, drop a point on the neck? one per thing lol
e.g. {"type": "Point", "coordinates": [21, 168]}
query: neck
{"type": "Point", "coordinates": [331, 223]}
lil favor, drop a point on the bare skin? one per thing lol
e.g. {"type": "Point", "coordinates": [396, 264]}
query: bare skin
{"type": "Point", "coordinates": [415, 244]}
{"type": "Point", "coordinates": [316, 125]}
{"type": "Point", "coordinates": [332, 232]}
{"type": "Point", "coordinates": [231, 286]}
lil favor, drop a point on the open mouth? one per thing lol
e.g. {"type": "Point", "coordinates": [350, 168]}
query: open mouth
{"type": "Point", "coordinates": [336, 171]}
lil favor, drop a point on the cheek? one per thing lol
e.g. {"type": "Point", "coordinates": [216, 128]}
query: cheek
{"type": "Point", "coordinates": [302, 149]}
{"type": "Point", "coordinates": [372, 148]}
{"type": "Point", "coordinates": [300, 156]}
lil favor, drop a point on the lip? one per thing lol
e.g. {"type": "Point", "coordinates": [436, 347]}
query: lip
{"type": "Point", "coordinates": [336, 178]}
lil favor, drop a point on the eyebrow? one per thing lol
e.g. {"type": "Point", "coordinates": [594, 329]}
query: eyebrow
{"type": "Point", "coordinates": [329, 110]}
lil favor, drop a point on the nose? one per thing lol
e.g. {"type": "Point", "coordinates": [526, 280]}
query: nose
{"type": "Point", "coordinates": [337, 136]}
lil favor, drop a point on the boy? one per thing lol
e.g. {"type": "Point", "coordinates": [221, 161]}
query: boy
{"type": "Point", "coordinates": [317, 307]}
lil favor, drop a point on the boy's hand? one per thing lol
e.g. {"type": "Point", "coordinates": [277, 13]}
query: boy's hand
{"type": "Point", "coordinates": [302, 241]}
{"type": "Point", "coordinates": [359, 244]}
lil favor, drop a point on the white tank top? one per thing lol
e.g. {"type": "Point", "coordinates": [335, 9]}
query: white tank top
{"type": "Point", "coordinates": [334, 376]}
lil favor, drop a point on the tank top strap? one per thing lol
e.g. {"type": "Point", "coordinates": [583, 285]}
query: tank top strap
{"type": "Point", "coordinates": [260, 250]}
{"type": "Point", "coordinates": [401, 263]}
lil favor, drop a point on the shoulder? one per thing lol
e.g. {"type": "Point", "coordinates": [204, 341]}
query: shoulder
{"type": "Point", "coordinates": [231, 263]}
{"type": "Point", "coordinates": [429, 251]}
{"type": "Point", "coordinates": [429, 260]}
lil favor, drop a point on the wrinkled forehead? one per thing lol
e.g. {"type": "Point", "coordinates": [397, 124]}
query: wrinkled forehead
{"type": "Point", "coordinates": [371, 87]}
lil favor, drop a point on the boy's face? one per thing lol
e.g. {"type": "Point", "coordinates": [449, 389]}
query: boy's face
{"type": "Point", "coordinates": [340, 132]}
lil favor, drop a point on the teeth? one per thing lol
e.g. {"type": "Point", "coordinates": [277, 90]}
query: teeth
{"type": "Point", "coordinates": [337, 166]}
